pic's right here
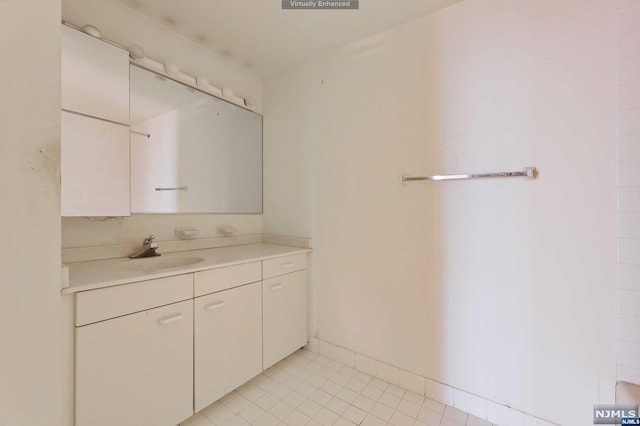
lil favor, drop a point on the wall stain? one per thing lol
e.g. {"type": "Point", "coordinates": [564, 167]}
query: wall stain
{"type": "Point", "coordinates": [42, 161]}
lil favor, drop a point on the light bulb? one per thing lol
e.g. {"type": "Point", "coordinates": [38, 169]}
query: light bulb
{"type": "Point", "coordinates": [172, 69]}
{"type": "Point", "coordinates": [136, 51]}
{"type": "Point", "coordinates": [92, 31]}
{"type": "Point", "coordinates": [202, 82]}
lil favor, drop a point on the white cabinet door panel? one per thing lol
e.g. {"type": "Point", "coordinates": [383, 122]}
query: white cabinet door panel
{"type": "Point", "coordinates": [285, 320]}
{"type": "Point", "coordinates": [228, 341]}
{"type": "Point", "coordinates": [95, 77]}
{"type": "Point", "coordinates": [136, 370]}
{"type": "Point", "coordinates": [94, 167]}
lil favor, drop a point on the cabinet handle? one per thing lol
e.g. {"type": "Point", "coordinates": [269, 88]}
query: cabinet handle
{"type": "Point", "coordinates": [213, 306]}
{"type": "Point", "coordinates": [276, 287]}
{"type": "Point", "coordinates": [169, 320]}
{"type": "Point", "coordinates": [286, 265]}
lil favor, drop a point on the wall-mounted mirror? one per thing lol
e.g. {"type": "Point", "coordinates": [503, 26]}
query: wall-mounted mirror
{"type": "Point", "coordinates": [191, 152]}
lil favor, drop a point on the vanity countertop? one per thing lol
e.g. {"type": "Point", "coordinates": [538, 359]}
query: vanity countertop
{"type": "Point", "coordinates": [111, 272]}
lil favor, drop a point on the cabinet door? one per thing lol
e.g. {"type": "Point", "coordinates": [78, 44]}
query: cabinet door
{"type": "Point", "coordinates": [136, 370]}
{"type": "Point", "coordinates": [228, 341]}
{"type": "Point", "coordinates": [95, 77]}
{"type": "Point", "coordinates": [94, 167]}
{"type": "Point", "coordinates": [284, 316]}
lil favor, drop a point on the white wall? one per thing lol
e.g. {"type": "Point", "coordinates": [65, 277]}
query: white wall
{"type": "Point", "coordinates": [502, 288]}
{"type": "Point", "coordinates": [29, 169]}
{"type": "Point", "coordinates": [628, 148]}
{"type": "Point", "coordinates": [126, 26]}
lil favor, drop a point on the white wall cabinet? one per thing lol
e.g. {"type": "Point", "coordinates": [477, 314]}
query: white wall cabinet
{"type": "Point", "coordinates": [284, 320]}
{"type": "Point", "coordinates": [227, 341]}
{"type": "Point", "coordinates": [95, 77]}
{"type": "Point", "coordinates": [95, 127]}
{"type": "Point", "coordinates": [137, 369]}
{"type": "Point", "coordinates": [94, 167]}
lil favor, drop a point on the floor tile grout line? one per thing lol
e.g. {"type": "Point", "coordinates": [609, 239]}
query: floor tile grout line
{"type": "Point", "coordinates": [401, 397]}
{"type": "Point", "coordinates": [289, 375]}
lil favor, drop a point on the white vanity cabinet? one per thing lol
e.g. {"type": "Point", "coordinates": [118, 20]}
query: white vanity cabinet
{"type": "Point", "coordinates": [284, 316]}
{"type": "Point", "coordinates": [150, 353]}
{"type": "Point", "coordinates": [95, 127]}
{"type": "Point", "coordinates": [134, 353]}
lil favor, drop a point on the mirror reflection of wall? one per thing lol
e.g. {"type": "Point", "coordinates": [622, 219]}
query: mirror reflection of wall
{"type": "Point", "coordinates": [191, 152]}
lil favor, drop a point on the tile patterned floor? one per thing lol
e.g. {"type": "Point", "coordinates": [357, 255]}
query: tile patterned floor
{"type": "Point", "coordinates": [309, 389]}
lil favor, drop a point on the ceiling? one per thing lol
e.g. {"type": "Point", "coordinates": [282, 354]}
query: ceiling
{"type": "Point", "coordinates": [263, 37]}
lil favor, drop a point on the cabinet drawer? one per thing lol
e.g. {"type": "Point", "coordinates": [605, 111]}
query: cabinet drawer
{"type": "Point", "coordinates": [283, 265]}
{"type": "Point", "coordinates": [99, 305]}
{"type": "Point", "coordinates": [214, 280]}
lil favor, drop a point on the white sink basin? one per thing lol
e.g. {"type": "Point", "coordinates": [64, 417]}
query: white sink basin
{"type": "Point", "coordinates": [151, 264]}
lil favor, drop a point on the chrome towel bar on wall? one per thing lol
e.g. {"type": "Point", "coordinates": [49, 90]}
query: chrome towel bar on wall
{"type": "Point", "coordinates": [529, 173]}
{"type": "Point", "coordinates": [179, 188]}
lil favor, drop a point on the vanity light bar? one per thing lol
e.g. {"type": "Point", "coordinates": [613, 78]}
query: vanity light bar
{"type": "Point", "coordinates": [137, 56]}
{"type": "Point", "coordinates": [529, 173]}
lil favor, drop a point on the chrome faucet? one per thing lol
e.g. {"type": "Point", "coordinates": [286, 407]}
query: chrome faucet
{"type": "Point", "coordinates": [148, 248]}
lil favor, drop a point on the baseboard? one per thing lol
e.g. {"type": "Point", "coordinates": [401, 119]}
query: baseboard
{"type": "Point", "coordinates": [483, 408]}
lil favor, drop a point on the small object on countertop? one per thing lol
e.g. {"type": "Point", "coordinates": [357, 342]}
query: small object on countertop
{"type": "Point", "coordinates": [188, 232]}
{"type": "Point", "coordinates": [227, 230]}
